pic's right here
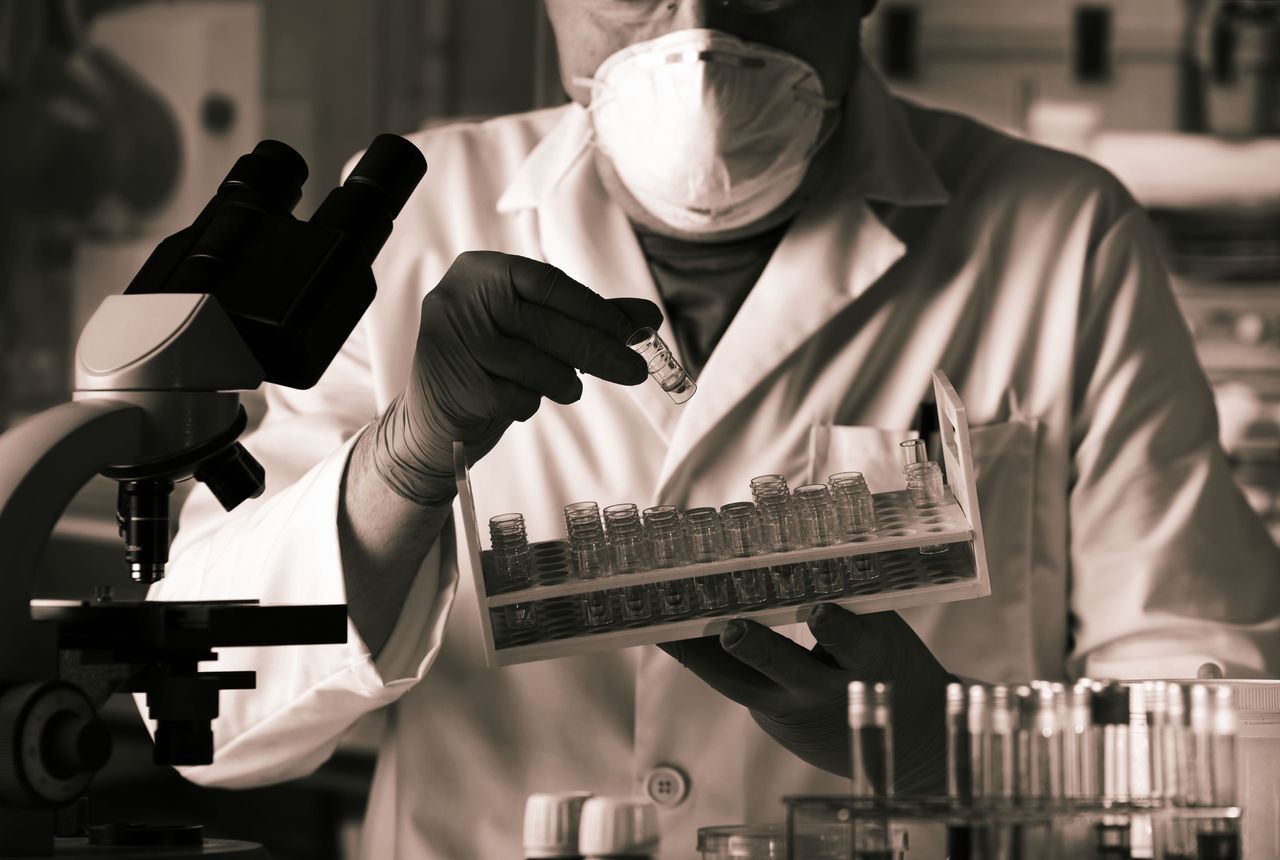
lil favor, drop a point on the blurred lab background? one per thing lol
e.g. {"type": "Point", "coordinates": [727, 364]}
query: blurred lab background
{"type": "Point", "coordinates": [118, 118]}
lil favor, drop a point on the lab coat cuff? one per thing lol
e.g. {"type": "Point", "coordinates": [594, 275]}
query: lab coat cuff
{"type": "Point", "coordinates": [419, 631]}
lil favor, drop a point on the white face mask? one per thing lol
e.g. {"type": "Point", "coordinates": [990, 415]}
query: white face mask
{"type": "Point", "coordinates": [707, 132]}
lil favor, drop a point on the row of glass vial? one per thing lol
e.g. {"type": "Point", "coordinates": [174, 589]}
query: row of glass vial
{"type": "Point", "coordinates": [1093, 743]}
{"type": "Point", "coordinates": [626, 541]}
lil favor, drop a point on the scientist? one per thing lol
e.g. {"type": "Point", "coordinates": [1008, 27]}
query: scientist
{"type": "Point", "coordinates": [817, 248]}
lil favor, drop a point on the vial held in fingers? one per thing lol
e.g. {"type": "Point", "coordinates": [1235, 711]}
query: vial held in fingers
{"type": "Point", "coordinates": [663, 367]}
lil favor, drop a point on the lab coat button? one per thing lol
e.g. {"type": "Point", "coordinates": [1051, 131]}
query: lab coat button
{"type": "Point", "coordinates": [667, 785]}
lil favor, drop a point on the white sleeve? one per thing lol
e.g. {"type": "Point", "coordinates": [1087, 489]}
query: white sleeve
{"type": "Point", "coordinates": [1170, 566]}
{"type": "Point", "coordinates": [282, 548]}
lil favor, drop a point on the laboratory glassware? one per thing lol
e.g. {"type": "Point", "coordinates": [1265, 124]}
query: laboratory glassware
{"type": "Point", "coordinates": [511, 564]}
{"type": "Point", "coordinates": [853, 503]}
{"type": "Point", "coordinates": [781, 534]}
{"type": "Point", "coordinates": [665, 534]}
{"type": "Point", "coordinates": [743, 538]}
{"type": "Point", "coordinates": [704, 541]}
{"type": "Point", "coordinates": [820, 526]}
{"type": "Point", "coordinates": [662, 364]}
{"type": "Point", "coordinates": [913, 451]}
{"type": "Point", "coordinates": [924, 484]}
{"type": "Point", "coordinates": [628, 553]}
{"type": "Point", "coordinates": [590, 552]}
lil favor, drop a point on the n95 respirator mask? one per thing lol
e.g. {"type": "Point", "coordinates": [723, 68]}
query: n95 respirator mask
{"type": "Point", "coordinates": [707, 132]}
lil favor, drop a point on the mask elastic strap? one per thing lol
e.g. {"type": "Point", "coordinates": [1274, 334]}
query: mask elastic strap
{"type": "Point", "coordinates": [597, 87]}
{"type": "Point", "coordinates": [811, 98]}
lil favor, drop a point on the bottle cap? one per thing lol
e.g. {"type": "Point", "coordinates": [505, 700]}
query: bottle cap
{"type": "Point", "coordinates": [551, 823]}
{"type": "Point", "coordinates": [618, 826]}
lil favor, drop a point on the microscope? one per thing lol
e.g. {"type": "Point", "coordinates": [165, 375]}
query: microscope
{"type": "Point", "coordinates": [247, 294]}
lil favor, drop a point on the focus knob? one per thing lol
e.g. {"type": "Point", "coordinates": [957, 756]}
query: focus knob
{"type": "Point", "coordinates": [51, 743]}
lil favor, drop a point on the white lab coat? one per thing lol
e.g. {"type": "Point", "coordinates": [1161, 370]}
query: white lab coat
{"type": "Point", "coordinates": [1117, 543]}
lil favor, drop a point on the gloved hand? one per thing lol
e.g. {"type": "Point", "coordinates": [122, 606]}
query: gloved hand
{"type": "Point", "coordinates": [799, 696]}
{"type": "Point", "coordinates": [496, 335]}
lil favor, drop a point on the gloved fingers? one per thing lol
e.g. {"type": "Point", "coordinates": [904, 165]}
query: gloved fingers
{"type": "Point", "coordinates": [571, 342]}
{"type": "Point", "coordinates": [840, 634]}
{"type": "Point", "coordinates": [531, 369]}
{"type": "Point", "coordinates": [513, 402]}
{"type": "Point", "coordinates": [722, 672]}
{"type": "Point", "coordinates": [546, 286]}
{"type": "Point", "coordinates": [641, 312]}
{"type": "Point", "coordinates": [783, 661]}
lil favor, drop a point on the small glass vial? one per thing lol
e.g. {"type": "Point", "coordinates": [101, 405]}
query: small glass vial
{"type": "Point", "coordinates": [781, 534]}
{"type": "Point", "coordinates": [854, 504]}
{"type": "Point", "coordinates": [820, 526]}
{"type": "Point", "coordinates": [665, 534]}
{"type": "Point", "coordinates": [924, 484]}
{"type": "Point", "coordinates": [857, 513]}
{"type": "Point", "coordinates": [511, 564]}
{"type": "Point", "coordinates": [663, 367]}
{"type": "Point", "coordinates": [704, 540]}
{"type": "Point", "coordinates": [590, 552]}
{"type": "Point", "coordinates": [768, 485]}
{"type": "Point", "coordinates": [913, 451]}
{"type": "Point", "coordinates": [743, 538]}
{"type": "Point", "coordinates": [629, 553]}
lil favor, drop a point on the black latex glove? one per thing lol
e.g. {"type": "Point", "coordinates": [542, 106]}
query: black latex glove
{"type": "Point", "coordinates": [496, 335]}
{"type": "Point", "coordinates": [800, 696]}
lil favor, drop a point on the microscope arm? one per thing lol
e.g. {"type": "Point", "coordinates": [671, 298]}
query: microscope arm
{"type": "Point", "coordinates": [44, 461]}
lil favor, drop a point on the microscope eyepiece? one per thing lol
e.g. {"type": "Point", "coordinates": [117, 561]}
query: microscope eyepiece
{"type": "Point", "coordinates": [273, 173]}
{"type": "Point", "coordinates": [374, 193]}
{"type": "Point", "coordinates": [394, 166]}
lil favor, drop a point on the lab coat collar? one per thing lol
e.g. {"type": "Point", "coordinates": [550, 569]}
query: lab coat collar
{"type": "Point", "coordinates": [887, 162]}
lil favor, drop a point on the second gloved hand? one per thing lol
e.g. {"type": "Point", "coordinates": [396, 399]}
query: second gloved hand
{"type": "Point", "coordinates": [799, 696]}
{"type": "Point", "coordinates": [496, 335]}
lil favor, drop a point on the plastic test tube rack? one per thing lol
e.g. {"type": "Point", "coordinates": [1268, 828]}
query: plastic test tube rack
{"type": "Point", "coordinates": [906, 577]}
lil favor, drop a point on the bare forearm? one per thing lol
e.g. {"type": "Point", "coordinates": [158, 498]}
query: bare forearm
{"type": "Point", "coordinates": [383, 539]}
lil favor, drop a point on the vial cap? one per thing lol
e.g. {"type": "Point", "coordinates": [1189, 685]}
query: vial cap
{"type": "Point", "coordinates": [955, 699]}
{"type": "Point", "coordinates": [551, 823]}
{"type": "Point", "coordinates": [613, 826]}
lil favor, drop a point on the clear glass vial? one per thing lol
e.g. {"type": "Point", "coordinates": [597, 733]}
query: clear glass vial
{"type": "Point", "coordinates": [743, 538]}
{"type": "Point", "coordinates": [665, 534]}
{"type": "Point", "coordinates": [663, 367]}
{"type": "Point", "coordinates": [924, 484]}
{"type": "Point", "coordinates": [857, 512]}
{"type": "Point", "coordinates": [781, 534]}
{"type": "Point", "coordinates": [854, 503]}
{"type": "Point", "coordinates": [628, 553]}
{"type": "Point", "coordinates": [512, 565]}
{"type": "Point", "coordinates": [820, 526]}
{"type": "Point", "coordinates": [913, 451]}
{"type": "Point", "coordinates": [704, 540]}
{"type": "Point", "coordinates": [590, 553]}
{"type": "Point", "coordinates": [768, 485]}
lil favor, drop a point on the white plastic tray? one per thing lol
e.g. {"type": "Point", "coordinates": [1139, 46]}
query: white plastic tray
{"type": "Point", "coordinates": [906, 577]}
